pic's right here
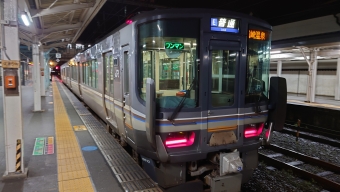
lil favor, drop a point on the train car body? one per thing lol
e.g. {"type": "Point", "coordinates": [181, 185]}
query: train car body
{"type": "Point", "coordinates": [186, 89]}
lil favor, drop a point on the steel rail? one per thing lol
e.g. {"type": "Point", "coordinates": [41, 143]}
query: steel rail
{"type": "Point", "coordinates": [316, 130]}
{"type": "Point", "coordinates": [325, 183]}
{"type": "Point", "coordinates": [305, 158]}
{"type": "Point", "coordinates": [313, 138]}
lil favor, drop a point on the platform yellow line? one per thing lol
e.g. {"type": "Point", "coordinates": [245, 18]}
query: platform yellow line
{"type": "Point", "coordinates": [72, 173]}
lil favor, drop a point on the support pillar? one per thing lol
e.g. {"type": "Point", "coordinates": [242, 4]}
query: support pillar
{"type": "Point", "coordinates": [12, 106]}
{"type": "Point", "coordinates": [337, 82]}
{"type": "Point", "coordinates": [314, 70]}
{"type": "Point", "coordinates": [279, 68]}
{"type": "Point", "coordinates": [36, 76]}
{"type": "Point", "coordinates": [42, 74]}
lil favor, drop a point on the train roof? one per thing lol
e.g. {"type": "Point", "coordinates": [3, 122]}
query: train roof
{"type": "Point", "coordinates": [185, 11]}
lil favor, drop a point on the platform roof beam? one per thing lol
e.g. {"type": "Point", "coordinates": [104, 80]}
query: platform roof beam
{"type": "Point", "coordinates": [56, 38]}
{"type": "Point", "coordinates": [136, 3]}
{"type": "Point", "coordinates": [60, 9]}
{"type": "Point", "coordinates": [61, 44]}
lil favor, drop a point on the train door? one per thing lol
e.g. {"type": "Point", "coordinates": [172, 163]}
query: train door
{"type": "Point", "coordinates": [108, 89]}
{"type": "Point", "coordinates": [126, 94]}
{"type": "Point", "coordinates": [106, 98]}
{"type": "Point", "coordinates": [118, 96]}
{"type": "Point", "coordinates": [223, 67]}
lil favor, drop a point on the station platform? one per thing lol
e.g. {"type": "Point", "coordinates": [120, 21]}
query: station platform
{"type": "Point", "coordinates": [321, 115]}
{"type": "Point", "coordinates": [320, 101]}
{"type": "Point", "coordinates": [84, 156]}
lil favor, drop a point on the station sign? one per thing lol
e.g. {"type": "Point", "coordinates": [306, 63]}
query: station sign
{"type": "Point", "coordinates": [224, 24]}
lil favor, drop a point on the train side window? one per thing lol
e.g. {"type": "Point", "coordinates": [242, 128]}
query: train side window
{"type": "Point", "coordinates": [94, 73]}
{"type": "Point", "coordinates": [107, 74]}
{"type": "Point", "coordinates": [72, 72]}
{"type": "Point", "coordinates": [113, 62]}
{"type": "Point", "coordinates": [83, 72]}
{"type": "Point", "coordinates": [126, 72]}
{"type": "Point", "coordinates": [223, 67]}
{"type": "Point", "coordinates": [89, 73]}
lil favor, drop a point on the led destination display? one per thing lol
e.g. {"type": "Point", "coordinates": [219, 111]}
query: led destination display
{"type": "Point", "coordinates": [223, 24]}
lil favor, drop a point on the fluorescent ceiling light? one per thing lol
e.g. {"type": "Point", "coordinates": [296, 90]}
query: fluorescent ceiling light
{"type": "Point", "coordinates": [279, 56]}
{"type": "Point", "coordinates": [25, 19]}
{"type": "Point", "coordinates": [274, 52]}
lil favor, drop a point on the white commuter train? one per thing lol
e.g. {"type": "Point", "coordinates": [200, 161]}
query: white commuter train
{"type": "Point", "coordinates": [188, 90]}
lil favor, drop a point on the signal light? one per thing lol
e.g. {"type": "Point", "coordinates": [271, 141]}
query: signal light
{"type": "Point", "coordinates": [129, 21]}
{"type": "Point", "coordinates": [253, 130]}
{"type": "Point", "coordinates": [180, 139]}
{"type": "Point", "coordinates": [56, 67]}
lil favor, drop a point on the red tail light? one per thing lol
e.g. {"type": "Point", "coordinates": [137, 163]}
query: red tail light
{"type": "Point", "coordinates": [253, 130]}
{"type": "Point", "coordinates": [180, 139]}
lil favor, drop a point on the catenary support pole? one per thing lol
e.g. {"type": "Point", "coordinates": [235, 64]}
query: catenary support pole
{"type": "Point", "coordinates": [337, 84]}
{"type": "Point", "coordinates": [279, 68]}
{"type": "Point", "coordinates": [42, 73]}
{"type": "Point", "coordinates": [14, 143]}
{"type": "Point", "coordinates": [314, 63]}
{"type": "Point", "coordinates": [36, 76]}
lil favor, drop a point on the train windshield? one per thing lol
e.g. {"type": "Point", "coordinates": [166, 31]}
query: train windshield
{"type": "Point", "coordinates": [168, 53]}
{"type": "Point", "coordinates": [258, 59]}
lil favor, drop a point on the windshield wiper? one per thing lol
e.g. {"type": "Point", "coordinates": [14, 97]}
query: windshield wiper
{"type": "Point", "coordinates": [180, 104]}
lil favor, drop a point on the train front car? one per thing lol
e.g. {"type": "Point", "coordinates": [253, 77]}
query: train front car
{"type": "Point", "coordinates": [201, 96]}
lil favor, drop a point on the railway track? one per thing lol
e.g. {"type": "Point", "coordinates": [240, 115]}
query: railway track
{"type": "Point", "coordinates": [315, 130]}
{"type": "Point", "coordinates": [313, 135]}
{"type": "Point", "coordinates": [301, 159]}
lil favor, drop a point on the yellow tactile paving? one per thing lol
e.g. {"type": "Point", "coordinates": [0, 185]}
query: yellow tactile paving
{"type": "Point", "coordinates": [72, 173]}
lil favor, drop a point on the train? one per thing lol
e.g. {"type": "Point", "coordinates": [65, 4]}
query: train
{"type": "Point", "coordinates": [188, 90]}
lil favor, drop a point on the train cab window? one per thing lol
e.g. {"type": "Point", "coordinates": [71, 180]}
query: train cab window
{"type": "Point", "coordinates": [258, 59]}
{"type": "Point", "coordinates": [168, 55]}
{"type": "Point", "coordinates": [223, 66]}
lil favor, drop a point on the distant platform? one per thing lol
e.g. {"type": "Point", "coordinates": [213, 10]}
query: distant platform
{"type": "Point", "coordinates": [320, 102]}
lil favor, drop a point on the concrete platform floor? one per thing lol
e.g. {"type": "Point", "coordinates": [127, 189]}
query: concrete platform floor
{"type": "Point", "coordinates": [320, 101]}
{"type": "Point", "coordinates": [43, 173]}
